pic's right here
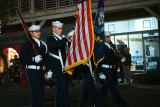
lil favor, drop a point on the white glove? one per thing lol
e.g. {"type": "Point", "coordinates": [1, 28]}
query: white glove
{"type": "Point", "coordinates": [123, 59]}
{"type": "Point", "coordinates": [49, 74]}
{"type": "Point", "coordinates": [102, 76]}
{"type": "Point", "coordinates": [63, 36]}
{"type": "Point", "coordinates": [37, 58]}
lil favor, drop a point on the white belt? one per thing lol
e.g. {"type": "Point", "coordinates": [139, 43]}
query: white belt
{"type": "Point", "coordinates": [107, 66]}
{"type": "Point", "coordinates": [35, 67]}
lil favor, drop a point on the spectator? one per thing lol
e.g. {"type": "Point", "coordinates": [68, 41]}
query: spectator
{"type": "Point", "coordinates": [126, 60]}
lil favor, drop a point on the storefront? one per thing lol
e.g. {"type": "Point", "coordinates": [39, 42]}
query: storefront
{"type": "Point", "coordinates": [141, 36]}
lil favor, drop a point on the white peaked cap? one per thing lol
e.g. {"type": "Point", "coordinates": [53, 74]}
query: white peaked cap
{"type": "Point", "coordinates": [34, 27]}
{"type": "Point", "coordinates": [107, 33]}
{"type": "Point", "coordinates": [57, 23]}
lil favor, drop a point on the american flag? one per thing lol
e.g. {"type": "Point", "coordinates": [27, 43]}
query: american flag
{"type": "Point", "coordinates": [82, 43]}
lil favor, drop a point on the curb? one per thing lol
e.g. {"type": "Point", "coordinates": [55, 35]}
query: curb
{"type": "Point", "coordinates": [144, 86]}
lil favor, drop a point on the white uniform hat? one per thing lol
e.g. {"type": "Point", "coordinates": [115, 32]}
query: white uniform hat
{"type": "Point", "coordinates": [107, 33]}
{"type": "Point", "coordinates": [57, 23]}
{"type": "Point", "coordinates": [34, 27]}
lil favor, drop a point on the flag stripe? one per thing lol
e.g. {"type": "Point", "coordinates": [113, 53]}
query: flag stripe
{"type": "Point", "coordinates": [74, 50]}
{"type": "Point", "coordinates": [77, 52]}
{"type": "Point", "coordinates": [82, 35]}
{"type": "Point", "coordinates": [86, 43]}
{"type": "Point", "coordinates": [88, 31]}
{"type": "Point", "coordinates": [80, 32]}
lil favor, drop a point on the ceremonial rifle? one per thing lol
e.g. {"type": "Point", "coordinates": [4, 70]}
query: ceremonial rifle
{"type": "Point", "coordinates": [27, 33]}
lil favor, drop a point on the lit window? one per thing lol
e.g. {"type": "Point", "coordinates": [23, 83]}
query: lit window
{"type": "Point", "coordinates": [146, 24]}
{"type": "Point", "coordinates": [111, 28]}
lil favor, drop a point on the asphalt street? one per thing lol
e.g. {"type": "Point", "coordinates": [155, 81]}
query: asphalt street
{"type": "Point", "coordinates": [15, 96]}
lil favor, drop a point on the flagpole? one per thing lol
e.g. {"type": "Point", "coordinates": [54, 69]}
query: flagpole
{"type": "Point", "coordinates": [89, 64]}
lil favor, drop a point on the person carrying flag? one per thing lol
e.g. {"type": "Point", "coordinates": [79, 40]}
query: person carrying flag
{"type": "Point", "coordinates": [80, 52]}
{"type": "Point", "coordinates": [106, 73]}
{"type": "Point", "coordinates": [85, 72]}
{"type": "Point", "coordinates": [57, 55]}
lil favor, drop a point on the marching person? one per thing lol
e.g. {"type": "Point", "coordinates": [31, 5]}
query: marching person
{"type": "Point", "coordinates": [35, 64]}
{"type": "Point", "coordinates": [106, 73]}
{"type": "Point", "coordinates": [126, 61]}
{"type": "Point", "coordinates": [57, 55]}
{"type": "Point", "coordinates": [89, 90]}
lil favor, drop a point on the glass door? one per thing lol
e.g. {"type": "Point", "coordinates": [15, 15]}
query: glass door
{"type": "Point", "coordinates": [151, 51]}
{"type": "Point", "coordinates": [136, 51]}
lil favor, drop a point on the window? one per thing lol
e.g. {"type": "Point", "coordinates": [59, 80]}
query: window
{"type": "Point", "coordinates": [141, 24]}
